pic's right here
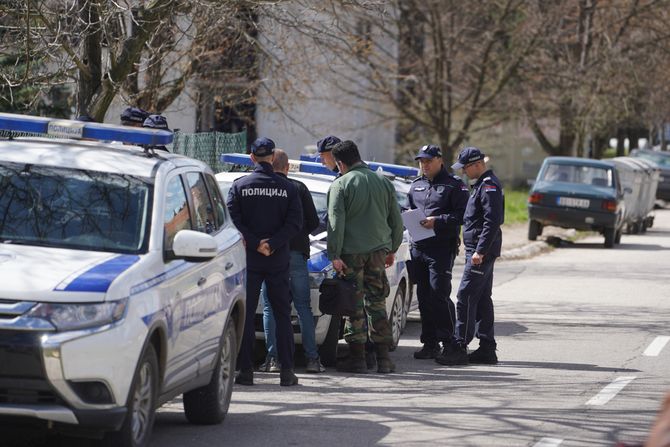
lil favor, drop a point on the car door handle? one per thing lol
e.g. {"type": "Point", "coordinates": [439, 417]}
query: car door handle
{"type": "Point", "coordinates": [202, 281]}
{"type": "Point", "coordinates": [229, 265]}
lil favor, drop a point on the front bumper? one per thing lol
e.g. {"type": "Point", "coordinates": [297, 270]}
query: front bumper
{"type": "Point", "coordinates": [35, 382]}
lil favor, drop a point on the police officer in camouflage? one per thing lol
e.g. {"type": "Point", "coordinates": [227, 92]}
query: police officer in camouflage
{"type": "Point", "coordinates": [364, 231]}
{"type": "Point", "coordinates": [266, 209]}
{"type": "Point", "coordinates": [442, 198]}
{"type": "Point", "coordinates": [482, 237]}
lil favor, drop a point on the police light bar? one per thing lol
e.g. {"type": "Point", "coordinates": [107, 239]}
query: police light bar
{"type": "Point", "coordinates": [312, 167]}
{"type": "Point", "coordinates": [398, 170]}
{"type": "Point", "coordinates": [78, 129]}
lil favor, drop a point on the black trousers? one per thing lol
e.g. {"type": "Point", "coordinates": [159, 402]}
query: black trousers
{"type": "Point", "coordinates": [279, 295]}
{"type": "Point", "coordinates": [475, 306]}
{"type": "Point", "coordinates": [431, 270]}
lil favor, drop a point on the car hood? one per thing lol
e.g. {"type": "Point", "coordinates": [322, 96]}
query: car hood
{"type": "Point", "coordinates": [574, 189]}
{"type": "Point", "coordinates": [58, 275]}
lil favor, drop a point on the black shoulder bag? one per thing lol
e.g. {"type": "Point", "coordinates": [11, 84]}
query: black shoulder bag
{"type": "Point", "coordinates": [337, 297]}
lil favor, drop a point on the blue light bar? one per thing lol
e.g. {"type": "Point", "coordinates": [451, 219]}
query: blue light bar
{"type": "Point", "coordinates": [77, 129]}
{"type": "Point", "coordinates": [312, 167]}
{"type": "Point", "coordinates": [399, 170]}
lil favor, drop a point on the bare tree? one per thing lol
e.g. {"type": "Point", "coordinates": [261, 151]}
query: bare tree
{"type": "Point", "coordinates": [436, 67]}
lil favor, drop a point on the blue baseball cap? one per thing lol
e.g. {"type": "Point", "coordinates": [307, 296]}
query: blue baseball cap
{"type": "Point", "coordinates": [429, 151]}
{"type": "Point", "coordinates": [262, 147]}
{"type": "Point", "coordinates": [467, 156]}
{"type": "Point", "coordinates": [326, 144]}
{"type": "Point", "coordinates": [156, 122]}
{"type": "Point", "coordinates": [134, 115]}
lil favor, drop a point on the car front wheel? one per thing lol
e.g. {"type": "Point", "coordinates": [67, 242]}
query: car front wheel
{"type": "Point", "coordinates": [139, 421]}
{"type": "Point", "coordinates": [209, 404]}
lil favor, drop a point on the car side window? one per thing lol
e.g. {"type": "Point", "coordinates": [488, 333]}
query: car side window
{"type": "Point", "coordinates": [217, 200]}
{"type": "Point", "coordinates": [205, 221]}
{"type": "Point", "coordinates": [177, 215]}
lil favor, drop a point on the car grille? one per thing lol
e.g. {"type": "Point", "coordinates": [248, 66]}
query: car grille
{"type": "Point", "coordinates": [27, 392]}
{"type": "Point", "coordinates": [21, 355]}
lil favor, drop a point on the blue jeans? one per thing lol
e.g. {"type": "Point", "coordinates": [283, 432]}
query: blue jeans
{"type": "Point", "coordinates": [299, 285]}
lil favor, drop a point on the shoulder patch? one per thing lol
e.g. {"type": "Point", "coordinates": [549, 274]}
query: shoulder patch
{"type": "Point", "coordinates": [490, 188]}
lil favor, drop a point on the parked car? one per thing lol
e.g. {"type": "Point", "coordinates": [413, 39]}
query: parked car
{"type": "Point", "coordinates": [329, 330]}
{"type": "Point", "coordinates": [123, 281]}
{"type": "Point", "coordinates": [662, 160]}
{"type": "Point", "coordinates": [578, 193]}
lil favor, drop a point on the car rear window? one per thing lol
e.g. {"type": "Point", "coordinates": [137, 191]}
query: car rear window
{"type": "Point", "coordinates": [586, 175]}
{"type": "Point", "coordinates": [73, 208]}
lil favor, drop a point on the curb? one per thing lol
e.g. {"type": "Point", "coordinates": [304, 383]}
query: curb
{"type": "Point", "coordinates": [535, 248]}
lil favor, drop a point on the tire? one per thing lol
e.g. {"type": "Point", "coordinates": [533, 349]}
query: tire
{"type": "Point", "coordinates": [643, 226]}
{"type": "Point", "coordinates": [617, 236]}
{"type": "Point", "coordinates": [534, 230]}
{"type": "Point", "coordinates": [209, 404]}
{"type": "Point", "coordinates": [328, 349]}
{"type": "Point", "coordinates": [609, 237]}
{"type": "Point", "coordinates": [407, 303]}
{"type": "Point", "coordinates": [395, 319]}
{"type": "Point", "coordinates": [139, 421]}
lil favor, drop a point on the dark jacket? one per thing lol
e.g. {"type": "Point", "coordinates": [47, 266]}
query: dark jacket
{"type": "Point", "coordinates": [445, 197]}
{"type": "Point", "coordinates": [484, 215]}
{"type": "Point", "coordinates": [310, 219]}
{"type": "Point", "coordinates": [264, 205]}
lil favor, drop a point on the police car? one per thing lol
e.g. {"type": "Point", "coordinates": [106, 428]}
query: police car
{"type": "Point", "coordinates": [122, 281]}
{"type": "Point", "coordinates": [328, 330]}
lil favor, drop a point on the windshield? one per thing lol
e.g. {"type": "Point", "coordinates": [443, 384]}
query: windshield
{"type": "Point", "coordinates": [659, 159]}
{"type": "Point", "coordinates": [72, 208]}
{"type": "Point", "coordinates": [587, 175]}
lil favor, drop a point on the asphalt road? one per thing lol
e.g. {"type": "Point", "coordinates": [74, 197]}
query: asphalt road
{"type": "Point", "coordinates": [583, 362]}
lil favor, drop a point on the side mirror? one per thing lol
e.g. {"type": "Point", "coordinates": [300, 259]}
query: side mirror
{"type": "Point", "coordinates": [194, 246]}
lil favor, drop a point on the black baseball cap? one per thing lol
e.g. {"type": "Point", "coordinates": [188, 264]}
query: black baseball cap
{"type": "Point", "coordinates": [467, 156]}
{"type": "Point", "coordinates": [262, 147]}
{"type": "Point", "coordinates": [326, 144]}
{"type": "Point", "coordinates": [429, 151]}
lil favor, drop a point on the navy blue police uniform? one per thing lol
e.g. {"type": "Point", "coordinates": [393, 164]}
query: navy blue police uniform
{"type": "Point", "coordinates": [265, 205]}
{"type": "Point", "coordinates": [484, 215]}
{"type": "Point", "coordinates": [445, 197]}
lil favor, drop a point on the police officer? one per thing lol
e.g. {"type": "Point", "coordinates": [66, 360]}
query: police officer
{"type": "Point", "coordinates": [134, 116]}
{"type": "Point", "coordinates": [482, 238]}
{"type": "Point", "coordinates": [442, 198]}
{"type": "Point", "coordinates": [266, 209]}
{"type": "Point", "coordinates": [156, 122]}
{"type": "Point", "coordinates": [325, 147]}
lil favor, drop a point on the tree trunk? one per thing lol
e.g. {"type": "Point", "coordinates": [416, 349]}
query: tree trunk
{"type": "Point", "coordinates": [89, 82]}
{"type": "Point", "coordinates": [620, 137]}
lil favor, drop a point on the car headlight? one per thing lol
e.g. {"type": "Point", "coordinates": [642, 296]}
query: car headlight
{"type": "Point", "coordinates": [72, 316]}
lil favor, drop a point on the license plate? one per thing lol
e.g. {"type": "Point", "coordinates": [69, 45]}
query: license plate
{"type": "Point", "coordinates": [573, 203]}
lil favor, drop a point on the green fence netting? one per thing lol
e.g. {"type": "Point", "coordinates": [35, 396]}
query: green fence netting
{"type": "Point", "coordinates": [208, 146]}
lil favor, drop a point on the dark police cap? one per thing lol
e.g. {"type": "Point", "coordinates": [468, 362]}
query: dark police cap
{"type": "Point", "coordinates": [468, 155]}
{"type": "Point", "coordinates": [156, 122]}
{"type": "Point", "coordinates": [262, 147]}
{"type": "Point", "coordinates": [85, 119]}
{"type": "Point", "coordinates": [134, 115]}
{"type": "Point", "coordinates": [429, 151]}
{"type": "Point", "coordinates": [326, 144]}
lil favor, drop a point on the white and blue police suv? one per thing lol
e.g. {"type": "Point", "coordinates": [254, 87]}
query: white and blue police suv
{"type": "Point", "coordinates": [122, 280]}
{"type": "Point", "coordinates": [329, 330]}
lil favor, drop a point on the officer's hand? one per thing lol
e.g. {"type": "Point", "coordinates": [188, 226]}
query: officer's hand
{"type": "Point", "coordinates": [390, 259]}
{"type": "Point", "coordinates": [477, 259]}
{"type": "Point", "coordinates": [264, 248]}
{"type": "Point", "coordinates": [339, 265]}
{"type": "Point", "coordinates": [428, 222]}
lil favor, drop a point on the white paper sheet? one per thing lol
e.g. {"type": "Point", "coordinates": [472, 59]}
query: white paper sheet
{"type": "Point", "coordinates": [412, 221]}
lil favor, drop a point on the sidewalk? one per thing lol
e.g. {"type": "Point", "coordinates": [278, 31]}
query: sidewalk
{"type": "Point", "coordinates": [517, 246]}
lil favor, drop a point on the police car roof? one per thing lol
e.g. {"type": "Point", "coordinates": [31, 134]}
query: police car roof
{"type": "Point", "coordinates": [90, 155]}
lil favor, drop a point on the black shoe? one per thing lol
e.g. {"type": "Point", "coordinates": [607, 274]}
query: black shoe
{"type": "Point", "coordinates": [429, 351]}
{"type": "Point", "coordinates": [270, 365]}
{"type": "Point", "coordinates": [287, 378]}
{"type": "Point", "coordinates": [484, 355]}
{"type": "Point", "coordinates": [452, 355]}
{"type": "Point", "coordinates": [245, 377]}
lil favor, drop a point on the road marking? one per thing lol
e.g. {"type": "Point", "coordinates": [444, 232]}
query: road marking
{"type": "Point", "coordinates": [656, 346]}
{"type": "Point", "coordinates": [548, 442]}
{"type": "Point", "coordinates": [611, 390]}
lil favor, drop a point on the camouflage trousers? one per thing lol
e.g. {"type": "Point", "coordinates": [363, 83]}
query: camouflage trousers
{"type": "Point", "coordinates": [368, 272]}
